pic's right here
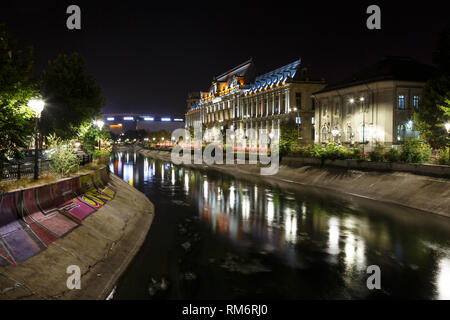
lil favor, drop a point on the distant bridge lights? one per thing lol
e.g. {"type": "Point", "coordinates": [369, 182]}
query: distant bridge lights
{"type": "Point", "coordinates": [128, 118]}
{"type": "Point", "coordinates": [166, 119]}
{"type": "Point", "coordinates": [110, 119]}
{"type": "Point", "coordinates": [179, 120]}
{"type": "Point", "coordinates": [149, 118]}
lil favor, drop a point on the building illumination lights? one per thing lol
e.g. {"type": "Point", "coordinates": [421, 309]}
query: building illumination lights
{"type": "Point", "coordinates": [361, 99]}
{"type": "Point", "coordinates": [165, 119]}
{"type": "Point", "coordinates": [447, 126]}
{"type": "Point", "coordinates": [149, 118]}
{"type": "Point", "coordinates": [352, 100]}
{"type": "Point", "coordinates": [128, 118]}
{"type": "Point", "coordinates": [110, 119]}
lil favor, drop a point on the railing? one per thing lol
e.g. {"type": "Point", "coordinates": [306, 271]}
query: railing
{"type": "Point", "coordinates": [16, 171]}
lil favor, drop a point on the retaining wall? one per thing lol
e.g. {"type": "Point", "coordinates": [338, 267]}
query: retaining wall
{"type": "Point", "coordinates": [31, 219]}
{"type": "Point", "coordinates": [421, 169]}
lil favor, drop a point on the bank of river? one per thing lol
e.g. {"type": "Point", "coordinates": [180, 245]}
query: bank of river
{"type": "Point", "coordinates": [430, 194]}
{"type": "Point", "coordinates": [102, 247]}
{"type": "Point", "coordinates": [218, 236]}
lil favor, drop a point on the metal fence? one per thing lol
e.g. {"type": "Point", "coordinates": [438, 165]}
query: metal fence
{"type": "Point", "coordinates": [16, 171]}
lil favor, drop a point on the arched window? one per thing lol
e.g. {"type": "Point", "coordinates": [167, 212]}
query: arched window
{"type": "Point", "coordinates": [324, 134]}
{"type": "Point", "coordinates": [349, 133]}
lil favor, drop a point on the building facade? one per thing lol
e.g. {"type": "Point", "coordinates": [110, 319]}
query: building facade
{"type": "Point", "coordinates": [374, 105]}
{"type": "Point", "coordinates": [239, 101]}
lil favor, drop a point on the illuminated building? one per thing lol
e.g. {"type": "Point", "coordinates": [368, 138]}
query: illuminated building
{"type": "Point", "coordinates": [119, 123]}
{"type": "Point", "coordinates": [238, 100]}
{"type": "Point", "coordinates": [375, 104]}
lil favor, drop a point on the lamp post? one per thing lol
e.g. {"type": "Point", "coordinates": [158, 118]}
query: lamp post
{"type": "Point", "coordinates": [99, 124]}
{"type": "Point", "coordinates": [364, 121]}
{"type": "Point", "coordinates": [37, 106]}
{"type": "Point", "coordinates": [447, 127]}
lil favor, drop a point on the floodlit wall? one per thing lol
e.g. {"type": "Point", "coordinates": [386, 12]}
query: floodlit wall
{"type": "Point", "coordinates": [31, 219]}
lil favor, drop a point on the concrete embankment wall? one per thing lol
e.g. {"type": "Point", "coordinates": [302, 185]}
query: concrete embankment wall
{"type": "Point", "coordinates": [96, 222]}
{"type": "Point", "coordinates": [418, 191]}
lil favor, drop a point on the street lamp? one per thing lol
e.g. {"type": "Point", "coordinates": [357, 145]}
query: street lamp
{"type": "Point", "coordinates": [37, 106]}
{"type": "Point", "coordinates": [99, 124]}
{"type": "Point", "coordinates": [364, 120]}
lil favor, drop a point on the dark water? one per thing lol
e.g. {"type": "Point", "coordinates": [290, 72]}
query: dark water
{"type": "Point", "coordinates": [265, 240]}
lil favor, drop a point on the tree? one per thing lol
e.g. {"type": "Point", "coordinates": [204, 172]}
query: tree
{"type": "Point", "coordinates": [433, 113]}
{"type": "Point", "coordinates": [288, 137]}
{"type": "Point", "coordinates": [89, 136]}
{"type": "Point", "coordinates": [72, 96]}
{"type": "Point", "coordinates": [16, 88]}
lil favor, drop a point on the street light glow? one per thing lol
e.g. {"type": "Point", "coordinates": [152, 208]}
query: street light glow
{"type": "Point", "coordinates": [99, 124]}
{"type": "Point", "coordinates": [37, 105]}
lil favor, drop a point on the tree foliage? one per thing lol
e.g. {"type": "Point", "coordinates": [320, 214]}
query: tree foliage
{"type": "Point", "coordinates": [288, 137]}
{"type": "Point", "coordinates": [89, 137]}
{"type": "Point", "coordinates": [434, 107]}
{"type": "Point", "coordinates": [62, 156]}
{"type": "Point", "coordinates": [16, 88]}
{"type": "Point", "coordinates": [72, 96]}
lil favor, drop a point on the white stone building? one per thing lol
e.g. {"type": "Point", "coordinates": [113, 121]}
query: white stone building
{"type": "Point", "coordinates": [376, 104]}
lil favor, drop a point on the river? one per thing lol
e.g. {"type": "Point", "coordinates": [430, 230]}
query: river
{"type": "Point", "coordinates": [216, 237]}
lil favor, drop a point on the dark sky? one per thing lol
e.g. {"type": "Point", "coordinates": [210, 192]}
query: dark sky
{"type": "Point", "coordinates": [148, 56]}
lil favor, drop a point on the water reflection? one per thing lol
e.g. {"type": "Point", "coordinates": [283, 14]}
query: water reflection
{"type": "Point", "coordinates": [300, 230]}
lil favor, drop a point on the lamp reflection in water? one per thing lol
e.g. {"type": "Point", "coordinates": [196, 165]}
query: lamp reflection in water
{"type": "Point", "coordinates": [354, 252]}
{"type": "Point", "coordinates": [333, 235]}
{"type": "Point", "coordinates": [232, 197]}
{"type": "Point", "coordinates": [128, 169]}
{"type": "Point", "coordinates": [443, 279]}
{"type": "Point", "coordinates": [146, 170]}
{"type": "Point", "coordinates": [245, 207]}
{"type": "Point", "coordinates": [205, 189]}
{"type": "Point", "coordinates": [290, 225]}
{"type": "Point", "coordinates": [270, 211]}
{"type": "Point", "coordinates": [186, 182]}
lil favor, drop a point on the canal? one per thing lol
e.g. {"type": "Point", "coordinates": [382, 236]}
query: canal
{"type": "Point", "coordinates": [216, 237]}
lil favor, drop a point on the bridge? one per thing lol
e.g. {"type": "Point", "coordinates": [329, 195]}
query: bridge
{"type": "Point", "coordinates": [120, 122]}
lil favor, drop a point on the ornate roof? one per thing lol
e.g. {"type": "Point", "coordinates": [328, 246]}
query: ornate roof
{"type": "Point", "coordinates": [275, 77]}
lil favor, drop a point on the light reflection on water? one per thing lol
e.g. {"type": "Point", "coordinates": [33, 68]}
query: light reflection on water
{"type": "Point", "coordinates": [301, 230]}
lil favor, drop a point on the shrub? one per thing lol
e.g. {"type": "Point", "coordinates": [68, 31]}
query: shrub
{"type": "Point", "coordinates": [443, 156]}
{"type": "Point", "coordinates": [377, 153]}
{"type": "Point", "coordinates": [62, 156]}
{"type": "Point", "coordinates": [415, 151]}
{"type": "Point", "coordinates": [393, 155]}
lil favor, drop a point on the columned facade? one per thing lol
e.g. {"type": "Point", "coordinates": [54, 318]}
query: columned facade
{"type": "Point", "coordinates": [237, 102]}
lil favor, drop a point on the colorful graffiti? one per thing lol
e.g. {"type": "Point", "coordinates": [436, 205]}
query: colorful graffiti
{"type": "Point", "coordinates": [31, 219]}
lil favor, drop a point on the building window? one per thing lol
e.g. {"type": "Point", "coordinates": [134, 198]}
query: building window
{"type": "Point", "coordinates": [401, 102]}
{"type": "Point", "coordinates": [416, 102]}
{"type": "Point", "coordinates": [336, 109]}
{"type": "Point", "coordinates": [298, 100]}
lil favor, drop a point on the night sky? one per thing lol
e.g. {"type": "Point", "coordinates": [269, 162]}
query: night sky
{"type": "Point", "coordinates": [148, 56]}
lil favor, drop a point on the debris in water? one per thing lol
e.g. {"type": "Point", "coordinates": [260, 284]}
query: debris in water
{"type": "Point", "coordinates": [186, 245]}
{"type": "Point", "coordinates": [190, 276]}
